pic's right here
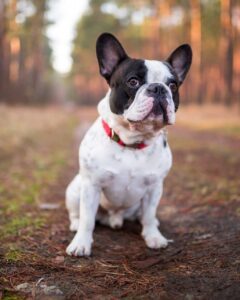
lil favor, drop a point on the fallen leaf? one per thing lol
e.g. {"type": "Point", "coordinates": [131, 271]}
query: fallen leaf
{"type": "Point", "coordinates": [59, 259]}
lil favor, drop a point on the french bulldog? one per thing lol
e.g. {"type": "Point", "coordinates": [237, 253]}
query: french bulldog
{"type": "Point", "coordinates": [124, 156]}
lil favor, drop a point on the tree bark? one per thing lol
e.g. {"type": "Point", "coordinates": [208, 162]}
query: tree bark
{"type": "Point", "coordinates": [196, 43]}
{"type": "Point", "coordinates": [226, 50]}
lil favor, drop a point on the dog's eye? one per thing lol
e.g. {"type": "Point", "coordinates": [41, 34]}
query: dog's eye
{"type": "Point", "coordinates": [133, 82]}
{"type": "Point", "coordinates": [173, 87]}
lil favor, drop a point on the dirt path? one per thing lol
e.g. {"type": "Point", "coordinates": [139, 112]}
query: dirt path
{"type": "Point", "coordinates": [199, 210]}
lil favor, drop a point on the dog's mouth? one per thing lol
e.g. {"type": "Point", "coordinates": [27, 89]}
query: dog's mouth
{"type": "Point", "coordinates": [147, 108]}
{"type": "Point", "coordinates": [139, 110]}
{"type": "Point", "coordinates": [161, 108]}
{"type": "Point", "coordinates": [157, 110]}
{"type": "Point", "coordinates": [138, 122]}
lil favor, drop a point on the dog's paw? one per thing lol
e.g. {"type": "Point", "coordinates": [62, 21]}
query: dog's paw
{"type": "Point", "coordinates": [74, 224]}
{"type": "Point", "coordinates": [116, 221]}
{"type": "Point", "coordinates": [80, 246]}
{"type": "Point", "coordinates": [156, 240]}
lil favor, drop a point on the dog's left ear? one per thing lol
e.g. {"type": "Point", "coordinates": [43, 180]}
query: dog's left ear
{"type": "Point", "coordinates": [180, 60]}
{"type": "Point", "coordinates": [110, 54]}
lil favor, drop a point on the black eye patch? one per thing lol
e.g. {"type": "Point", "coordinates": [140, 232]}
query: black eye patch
{"type": "Point", "coordinates": [122, 93]}
{"type": "Point", "coordinates": [171, 80]}
{"type": "Point", "coordinates": [173, 85]}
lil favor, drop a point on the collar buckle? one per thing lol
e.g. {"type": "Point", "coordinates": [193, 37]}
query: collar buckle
{"type": "Point", "coordinates": [115, 137]}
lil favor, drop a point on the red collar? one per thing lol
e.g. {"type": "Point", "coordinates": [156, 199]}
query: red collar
{"type": "Point", "coordinates": [117, 139]}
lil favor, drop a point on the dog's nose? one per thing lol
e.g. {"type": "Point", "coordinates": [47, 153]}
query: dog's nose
{"type": "Point", "coordinates": [156, 89]}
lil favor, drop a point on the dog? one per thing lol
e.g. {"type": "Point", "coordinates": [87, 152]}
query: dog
{"type": "Point", "coordinates": [125, 156]}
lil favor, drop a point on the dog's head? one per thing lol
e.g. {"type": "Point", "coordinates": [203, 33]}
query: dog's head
{"type": "Point", "coordinates": [142, 91]}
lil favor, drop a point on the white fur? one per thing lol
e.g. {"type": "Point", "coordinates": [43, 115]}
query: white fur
{"type": "Point", "coordinates": [157, 71]}
{"type": "Point", "coordinates": [143, 104]}
{"type": "Point", "coordinates": [126, 182]}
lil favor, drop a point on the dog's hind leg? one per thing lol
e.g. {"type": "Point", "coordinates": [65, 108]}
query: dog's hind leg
{"type": "Point", "coordinates": [108, 216]}
{"type": "Point", "coordinates": [113, 219]}
{"type": "Point", "coordinates": [73, 201]}
{"type": "Point", "coordinates": [116, 219]}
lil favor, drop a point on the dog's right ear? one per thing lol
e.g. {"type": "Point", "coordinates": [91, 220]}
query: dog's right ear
{"type": "Point", "coordinates": [110, 54]}
{"type": "Point", "coordinates": [180, 60]}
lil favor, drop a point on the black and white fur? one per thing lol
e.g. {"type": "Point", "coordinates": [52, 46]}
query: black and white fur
{"type": "Point", "coordinates": [126, 182]}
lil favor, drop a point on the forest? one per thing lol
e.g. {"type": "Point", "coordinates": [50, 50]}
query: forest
{"type": "Point", "coordinates": [45, 114]}
{"type": "Point", "coordinates": [147, 28]}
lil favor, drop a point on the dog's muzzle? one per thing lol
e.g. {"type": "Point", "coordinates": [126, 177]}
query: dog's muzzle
{"type": "Point", "coordinates": [154, 99]}
{"type": "Point", "coordinates": [160, 94]}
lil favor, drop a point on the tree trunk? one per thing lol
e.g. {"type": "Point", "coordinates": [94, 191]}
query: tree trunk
{"type": "Point", "coordinates": [4, 48]}
{"type": "Point", "coordinates": [196, 43]}
{"type": "Point", "coordinates": [38, 66]}
{"type": "Point", "coordinates": [226, 49]}
{"type": "Point", "coordinates": [2, 13]}
{"type": "Point", "coordinates": [14, 42]}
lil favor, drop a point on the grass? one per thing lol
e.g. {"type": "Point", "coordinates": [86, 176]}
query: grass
{"type": "Point", "coordinates": [15, 224]}
{"type": "Point", "coordinates": [35, 149]}
{"type": "Point", "coordinates": [13, 254]}
{"type": "Point", "coordinates": [11, 296]}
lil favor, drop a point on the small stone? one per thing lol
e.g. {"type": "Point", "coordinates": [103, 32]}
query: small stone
{"type": "Point", "coordinates": [204, 236]}
{"type": "Point", "coordinates": [51, 290]}
{"type": "Point", "coordinates": [189, 297]}
{"type": "Point", "coordinates": [22, 286]}
{"type": "Point", "coordinates": [48, 206]}
{"type": "Point", "coordinates": [204, 190]}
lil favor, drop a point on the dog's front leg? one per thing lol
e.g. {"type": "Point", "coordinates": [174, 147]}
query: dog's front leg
{"type": "Point", "coordinates": [150, 232]}
{"type": "Point", "coordinates": [89, 202]}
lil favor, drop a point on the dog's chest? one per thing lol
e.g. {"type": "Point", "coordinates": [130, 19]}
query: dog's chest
{"type": "Point", "coordinates": [124, 174]}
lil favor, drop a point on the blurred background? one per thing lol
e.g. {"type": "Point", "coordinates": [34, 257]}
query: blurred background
{"type": "Point", "coordinates": [49, 88]}
{"type": "Point", "coordinates": [47, 47]}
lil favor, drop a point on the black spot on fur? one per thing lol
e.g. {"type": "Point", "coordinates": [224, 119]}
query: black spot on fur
{"type": "Point", "coordinates": [121, 94]}
{"type": "Point", "coordinates": [175, 80]}
{"type": "Point", "coordinates": [164, 143]}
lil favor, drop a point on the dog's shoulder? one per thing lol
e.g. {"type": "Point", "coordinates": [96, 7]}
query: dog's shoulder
{"type": "Point", "coordinates": [98, 151]}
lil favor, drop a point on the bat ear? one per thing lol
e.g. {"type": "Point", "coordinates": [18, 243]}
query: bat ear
{"type": "Point", "coordinates": [180, 60]}
{"type": "Point", "coordinates": [110, 54]}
